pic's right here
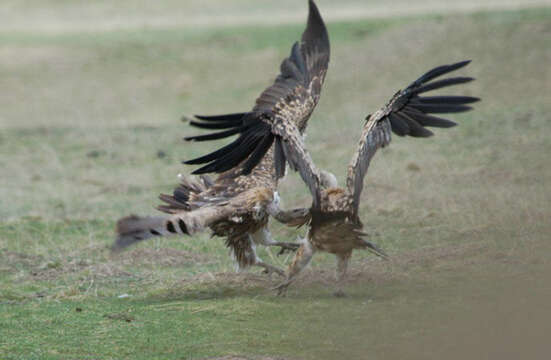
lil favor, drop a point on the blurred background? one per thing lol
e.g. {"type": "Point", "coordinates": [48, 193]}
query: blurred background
{"type": "Point", "coordinates": [91, 97]}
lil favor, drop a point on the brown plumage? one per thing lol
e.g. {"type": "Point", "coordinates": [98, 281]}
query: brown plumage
{"type": "Point", "coordinates": [234, 205]}
{"type": "Point", "coordinates": [288, 102]}
{"type": "Point", "coordinates": [335, 226]}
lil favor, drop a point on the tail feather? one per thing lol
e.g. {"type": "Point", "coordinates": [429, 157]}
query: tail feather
{"type": "Point", "coordinates": [372, 247]}
{"type": "Point", "coordinates": [376, 250]}
{"type": "Point", "coordinates": [133, 228]}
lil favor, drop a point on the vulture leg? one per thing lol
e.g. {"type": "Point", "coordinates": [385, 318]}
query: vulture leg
{"type": "Point", "coordinates": [285, 247]}
{"type": "Point", "coordinates": [243, 249]}
{"type": "Point", "coordinates": [342, 266]}
{"type": "Point", "coordinates": [264, 237]}
{"type": "Point", "coordinates": [292, 218]}
{"type": "Point", "coordinates": [302, 258]}
{"type": "Point", "coordinates": [269, 269]}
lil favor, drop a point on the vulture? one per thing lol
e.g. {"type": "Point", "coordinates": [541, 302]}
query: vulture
{"type": "Point", "coordinates": [334, 221]}
{"type": "Point", "coordinates": [234, 204]}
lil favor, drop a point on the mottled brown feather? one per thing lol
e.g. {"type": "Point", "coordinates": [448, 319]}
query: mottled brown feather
{"type": "Point", "coordinates": [291, 99]}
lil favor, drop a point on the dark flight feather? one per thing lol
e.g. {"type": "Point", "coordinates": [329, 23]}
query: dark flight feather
{"type": "Point", "coordinates": [215, 154]}
{"type": "Point", "coordinates": [441, 108]}
{"type": "Point", "coordinates": [213, 136]}
{"type": "Point", "coordinates": [429, 120]}
{"type": "Point", "coordinates": [399, 126]}
{"type": "Point", "coordinates": [457, 100]}
{"type": "Point", "coordinates": [235, 117]}
{"type": "Point", "coordinates": [291, 99]}
{"type": "Point", "coordinates": [441, 83]}
{"type": "Point", "coordinates": [406, 113]}
{"type": "Point", "coordinates": [438, 71]}
{"type": "Point", "coordinates": [258, 153]}
{"type": "Point", "coordinates": [279, 159]}
{"type": "Point", "coordinates": [212, 125]}
{"type": "Point", "coordinates": [248, 143]}
{"type": "Point", "coordinates": [414, 128]}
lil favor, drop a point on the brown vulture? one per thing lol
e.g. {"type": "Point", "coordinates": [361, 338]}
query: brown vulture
{"type": "Point", "coordinates": [234, 205]}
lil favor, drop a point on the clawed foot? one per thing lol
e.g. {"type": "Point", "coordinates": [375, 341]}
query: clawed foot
{"type": "Point", "coordinates": [269, 270]}
{"type": "Point", "coordinates": [339, 293]}
{"type": "Point", "coordinates": [282, 288]}
{"type": "Point", "coordinates": [287, 247]}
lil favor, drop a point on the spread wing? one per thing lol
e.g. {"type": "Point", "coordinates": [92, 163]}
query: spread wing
{"type": "Point", "coordinates": [290, 100]}
{"type": "Point", "coordinates": [407, 113]}
{"type": "Point", "coordinates": [293, 151]}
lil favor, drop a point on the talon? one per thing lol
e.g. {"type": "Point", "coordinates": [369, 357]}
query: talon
{"type": "Point", "coordinates": [339, 294]}
{"type": "Point", "coordinates": [289, 247]}
{"type": "Point", "coordinates": [280, 272]}
{"type": "Point", "coordinates": [270, 270]}
{"type": "Point", "coordinates": [281, 289]}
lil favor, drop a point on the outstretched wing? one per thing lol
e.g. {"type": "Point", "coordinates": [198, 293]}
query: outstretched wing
{"type": "Point", "coordinates": [406, 113]}
{"type": "Point", "coordinates": [290, 100]}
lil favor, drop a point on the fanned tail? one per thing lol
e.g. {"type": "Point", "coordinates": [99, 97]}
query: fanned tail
{"type": "Point", "coordinates": [133, 229]}
{"type": "Point", "coordinates": [375, 249]}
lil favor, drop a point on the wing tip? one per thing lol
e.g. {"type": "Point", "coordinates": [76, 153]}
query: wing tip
{"type": "Point", "coordinates": [438, 71]}
{"type": "Point", "coordinates": [186, 118]}
{"type": "Point", "coordinates": [201, 117]}
{"type": "Point", "coordinates": [460, 64]}
{"type": "Point", "coordinates": [316, 31]}
{"type": "Point", "coordinates": [198, 171]}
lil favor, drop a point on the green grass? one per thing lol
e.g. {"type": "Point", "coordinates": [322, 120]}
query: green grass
{"type": "Point", "coordinates": [89, 132]}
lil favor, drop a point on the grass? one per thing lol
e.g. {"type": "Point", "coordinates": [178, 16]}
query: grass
{"type": "Point", "coordinates": [89, 131]}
